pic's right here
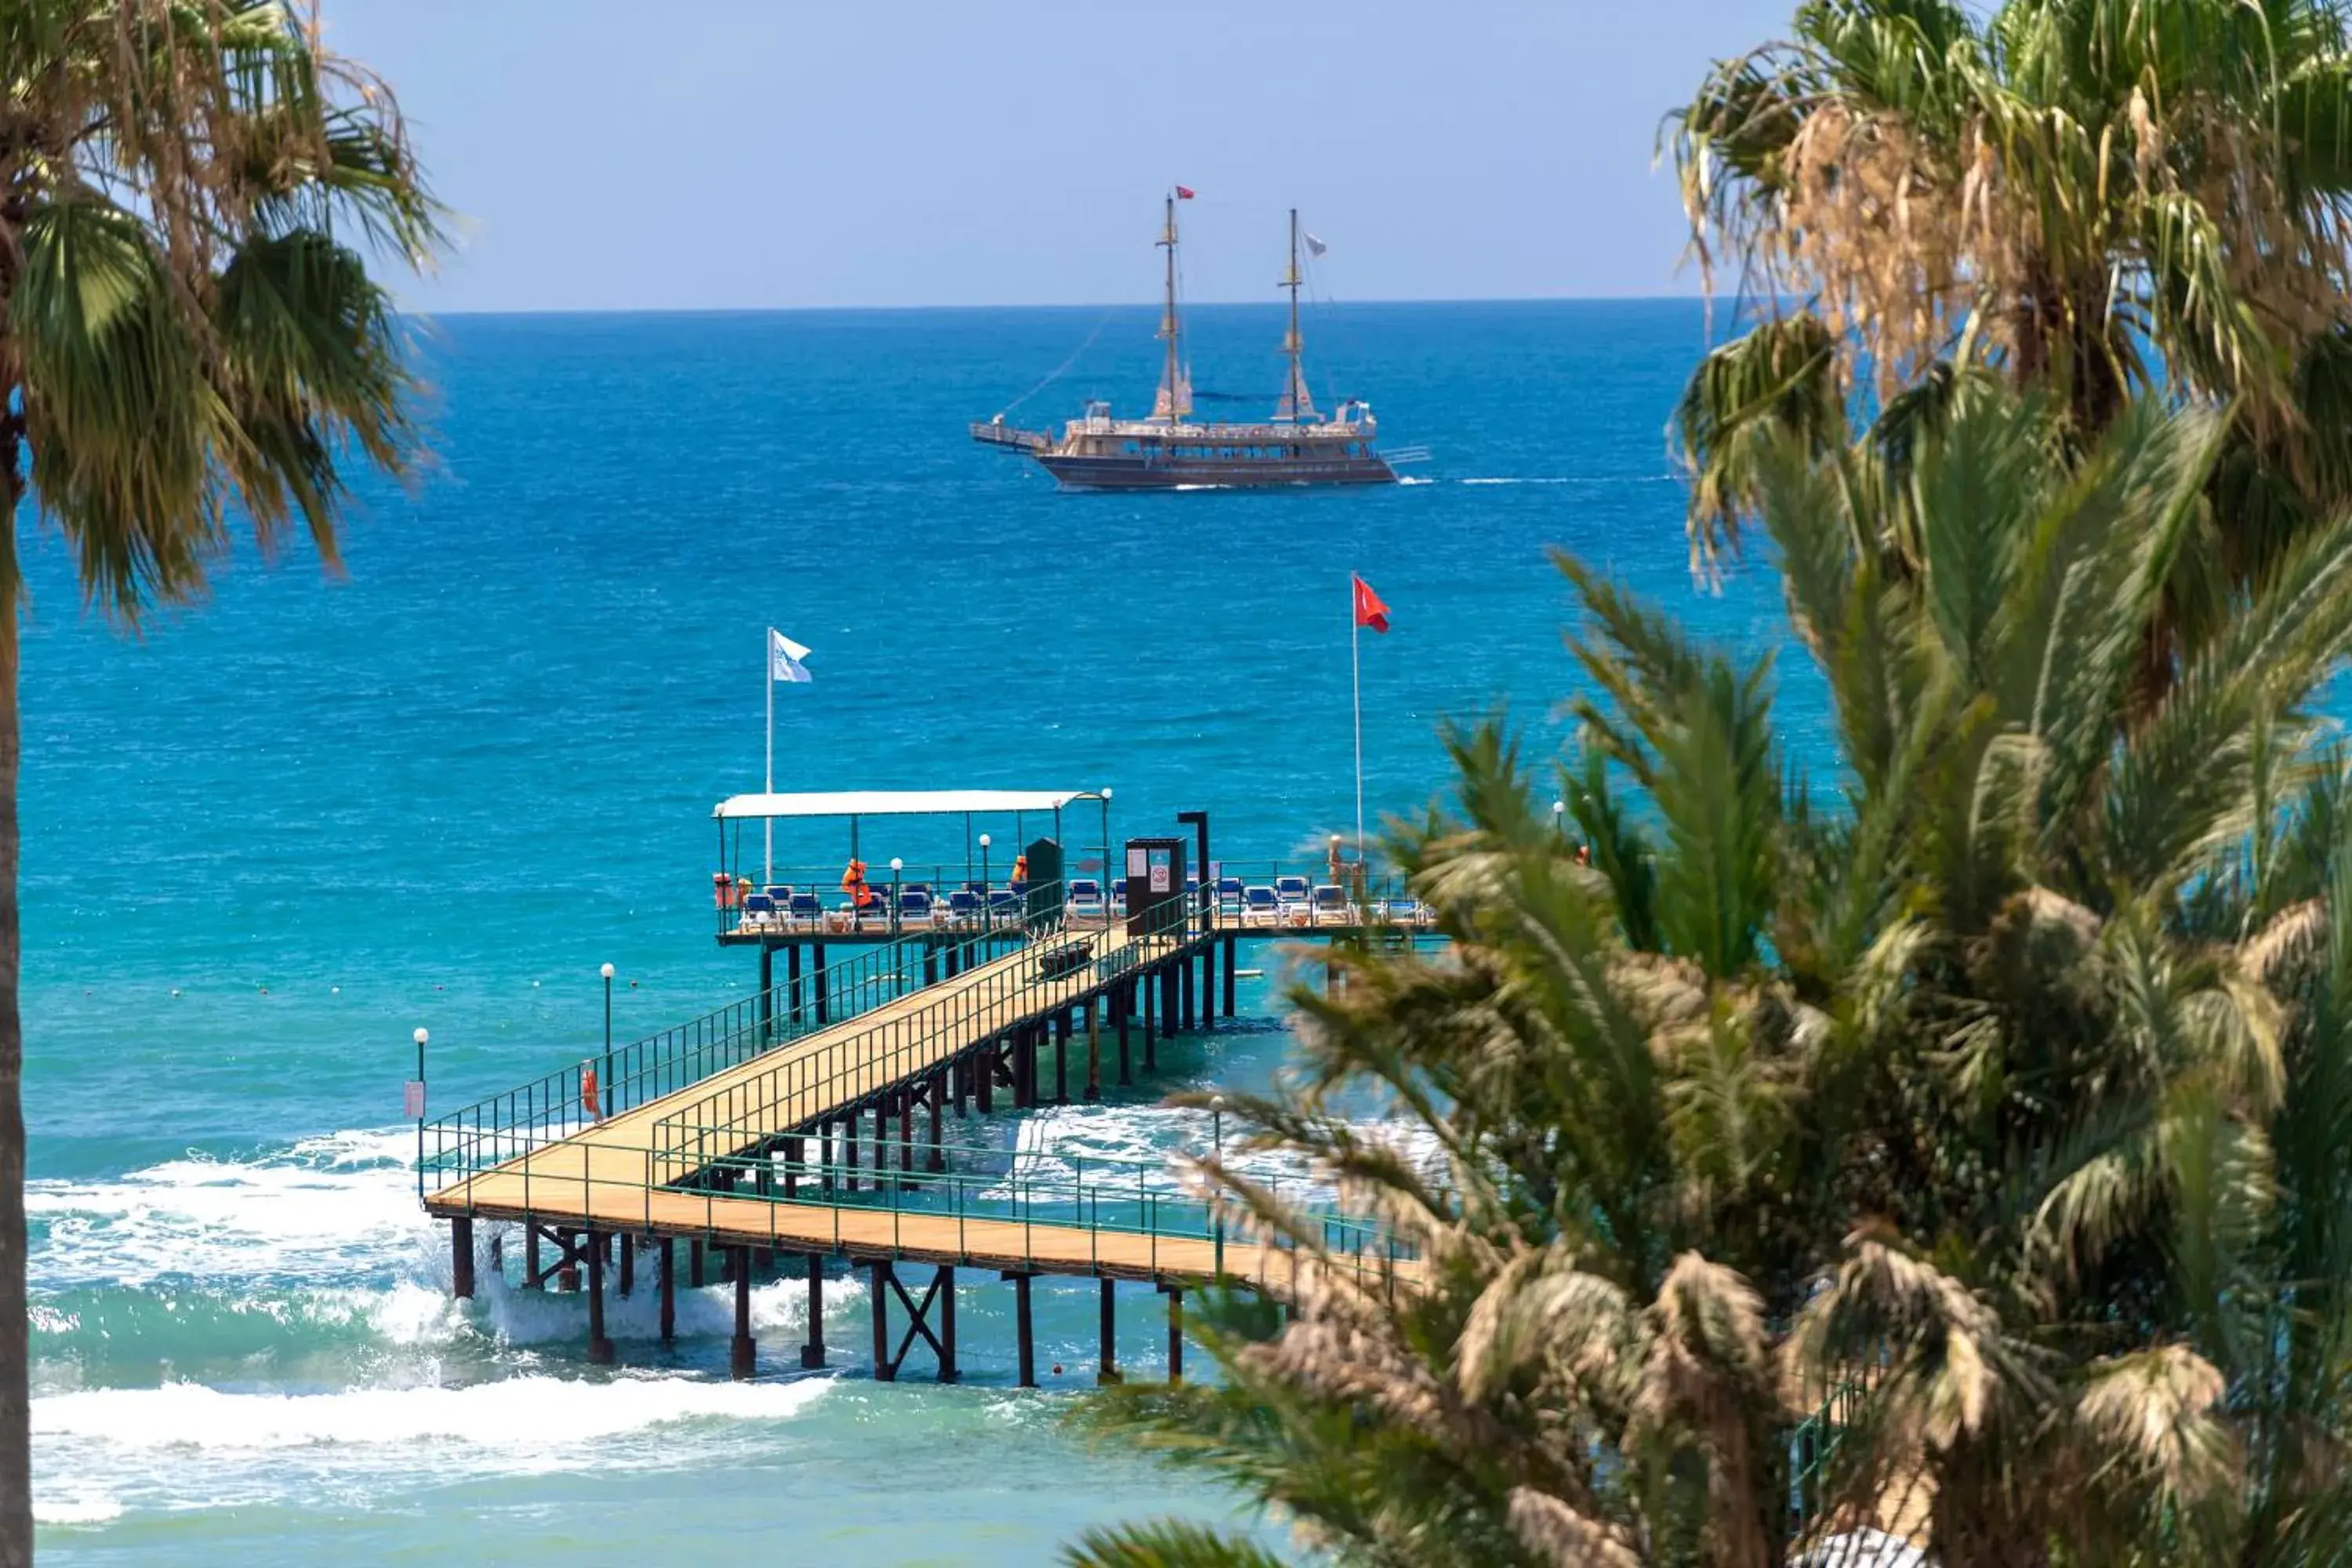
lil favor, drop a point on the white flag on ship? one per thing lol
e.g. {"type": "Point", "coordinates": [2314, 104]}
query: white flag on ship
{"type": "Point", "coordinates": [784, 657]}
{"type": "Point", "coordinates": [1314, 246]}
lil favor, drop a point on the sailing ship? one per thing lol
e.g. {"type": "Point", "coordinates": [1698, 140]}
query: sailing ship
{"type": "Point", "coordinates": [1172, 450]}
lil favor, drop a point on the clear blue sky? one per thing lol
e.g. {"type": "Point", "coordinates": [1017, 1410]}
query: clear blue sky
{"type": "Point", "coordinates": [735, 154]}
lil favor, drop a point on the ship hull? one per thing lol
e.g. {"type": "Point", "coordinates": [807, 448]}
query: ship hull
{"type": "Point", "coordinates": [1089, 472]}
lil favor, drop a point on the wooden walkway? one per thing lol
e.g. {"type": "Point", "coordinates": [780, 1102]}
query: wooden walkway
{"type": "Point", "coordinates": [646, 1171]}
{"type": "Point", "coordinates": [678, 1168]}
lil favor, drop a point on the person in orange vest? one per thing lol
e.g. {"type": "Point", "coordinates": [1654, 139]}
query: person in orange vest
{"type": "Point", "coordinates": [591, 1101]}
{"type": "Point", "coordinates": [853, 882]}
{"type": "Point", "coordinates": [1019, 879]}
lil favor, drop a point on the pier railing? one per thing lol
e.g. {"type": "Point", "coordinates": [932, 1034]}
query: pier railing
{"type": "Point", "coordinates": [1005, 1216]}
{"type": "Point", "coordinates": [910, 1042]}
{"type": "Point", "coordinates": [514, 1122]}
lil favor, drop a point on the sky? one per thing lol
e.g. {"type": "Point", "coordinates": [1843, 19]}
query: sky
{"type": "Point", "coordinates": [710, 155]}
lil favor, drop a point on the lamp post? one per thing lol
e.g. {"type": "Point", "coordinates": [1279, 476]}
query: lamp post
{"type": "Point", "coordinates": [897, 864]}
{"type": "Point", "coordinates": [606, 1081]}
{"type": "Point", "coordinates": [421, 1037]}
{"type": "Point", "coordinates": [1559, 818]}
{"type": "Point", "coordinates": [1217, 1140]}
{"type": "Point", "coordinates": [1106, 857]}
{"type": "Point", "coordinates": [987, 905]}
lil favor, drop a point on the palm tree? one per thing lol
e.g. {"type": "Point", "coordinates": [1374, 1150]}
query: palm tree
{"type": "Point", "coordinates": [2099, 196]}
{"type": "Point", "coordinates": [1936, 1092]}
{"type": "Point", "coordinates": [190, 193]}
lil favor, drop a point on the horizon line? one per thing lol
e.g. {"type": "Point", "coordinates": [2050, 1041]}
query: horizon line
{"type": "Point", "coordinates": [1062, 305]}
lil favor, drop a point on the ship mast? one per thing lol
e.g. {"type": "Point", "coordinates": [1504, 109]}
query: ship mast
{"type": "Point", "coordinates": [1172, 400]}
{"type": "Point", "coordinates": [1295, 404]}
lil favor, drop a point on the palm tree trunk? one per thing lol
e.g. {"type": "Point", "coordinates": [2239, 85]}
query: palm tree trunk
{"type": "Point", "coordinates": [16, 1400]}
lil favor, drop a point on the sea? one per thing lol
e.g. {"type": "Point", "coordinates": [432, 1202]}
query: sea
{"type": "Point", "coordinates": [268, 837]}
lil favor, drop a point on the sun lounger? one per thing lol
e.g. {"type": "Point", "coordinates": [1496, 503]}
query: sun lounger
{"type": "Point", "coordinates": [758, 913]}
{"type": "Point", "coordinates": [1293, 892]}
{"type": "Point", "coordinates": [963, 904]}
{"type": "Point", "coordinates": [806, 909]}
{"type": "Point", "coordinates": [1086, 898]}
{"type": "Point", "coordinates": [1119, 896]}
{"type": "Point", "coordinates": [1229, 898]}
{"type": "Point", "coordinates": [914, 906]}
{"type": "Point", "coordinates": [1330, 907]}
{"type": "Point", "coordinates": [1260, 905]}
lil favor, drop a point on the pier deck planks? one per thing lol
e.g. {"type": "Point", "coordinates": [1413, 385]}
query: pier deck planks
{"type": "Point", "coordinates": [604, 1175]}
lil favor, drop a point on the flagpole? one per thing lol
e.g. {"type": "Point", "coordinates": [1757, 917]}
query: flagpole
{"type": "Point", "coordinates": [1356, 680]}
{"type": "Point", "coordinates": [767, 824]}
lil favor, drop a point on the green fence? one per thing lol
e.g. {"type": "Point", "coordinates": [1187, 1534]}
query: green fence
{"type": "Point", "coordinates": [504, 1126]}
{"type": "Point", "coordinates": [848, 1071]}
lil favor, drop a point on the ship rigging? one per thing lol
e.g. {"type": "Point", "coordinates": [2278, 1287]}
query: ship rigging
{"type": "Point", "coordinates": [1172, 450]}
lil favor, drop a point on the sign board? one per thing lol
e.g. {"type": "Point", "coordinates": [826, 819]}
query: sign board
{"type": "Point", "coordinates": [1135, 855]}
{"type": "Point", "coordinates": [1160, 861]}
{"type": "Point", "coordinates": [411, 1100]}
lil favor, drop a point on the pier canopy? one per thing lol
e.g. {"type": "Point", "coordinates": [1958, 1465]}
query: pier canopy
{"type": "Point", "coordinates": [934, 858]}
{"type": "Point", "coordinates": [898, 803]}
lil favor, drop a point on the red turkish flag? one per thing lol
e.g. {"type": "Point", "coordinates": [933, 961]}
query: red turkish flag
{"type": "Point", "coordinates": [1370, 611]}
{"type": "Point", "coordinates": [1183, 194]}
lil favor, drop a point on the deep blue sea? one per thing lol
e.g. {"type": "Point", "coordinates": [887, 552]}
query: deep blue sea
{"type": "Point", "coordinates": [267, 838]}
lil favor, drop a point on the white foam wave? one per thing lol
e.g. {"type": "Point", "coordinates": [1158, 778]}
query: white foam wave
{"type": "Point", "coordinates": [324, 1211]}
{"type": "Point", "coordinates": [1146, 1146]}
{"type": "Point", "coordinates": [80, 1509]}
{"type": "Point", "coordinates": [521, 1418]}
{"type": "Point", "coordinates": [1416, 479]}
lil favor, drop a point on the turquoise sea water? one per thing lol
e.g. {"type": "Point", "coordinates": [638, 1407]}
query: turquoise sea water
{"type": "Point", "coordinates": [266, 840]}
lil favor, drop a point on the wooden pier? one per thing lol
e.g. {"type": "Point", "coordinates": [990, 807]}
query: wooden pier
{"type": "Point", "coordinates": [830, 1146]}
{"type": "Point", "coordinates": [806, 1126]}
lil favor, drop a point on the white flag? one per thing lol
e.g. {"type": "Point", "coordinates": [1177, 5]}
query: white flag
{"type": "Point", "coordinates": [784, 657]}
{"type": "Point", "coordinates": [1314, 246]}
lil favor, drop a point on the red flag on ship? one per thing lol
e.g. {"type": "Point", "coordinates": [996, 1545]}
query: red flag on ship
{"type": "Point", "coordinates": [1370, 611]}
{"type": "Point", "coordinates": [1183, 193]}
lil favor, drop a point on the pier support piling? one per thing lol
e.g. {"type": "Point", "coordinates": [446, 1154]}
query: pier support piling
{"type": "Point", "coordinates": [793, 997]}
{"type": "Point", "coordinates": [1107, 1372]}
{"type": "Point", "coordinates": [1023, 1336]}
{"type": "Point", "coordinates": [1123, 1003]}
{"type": "Point", "coordinates": [793, 1150]}
{"type": "Point", "coordinates": [599, 1349]}
{"type": "Point", "coordinates": [939, 1158]}
{"type": "Point", "coordinates": [461, 1257]}
{"type": "Point", "coordinates": [906, 1099]}
{"type": "Point", "coordinates": [812, 1353]}
{"type": "Point", "coordinates": [1175, 1334]}
{"type": "Point", "coordinates": [1184, 991]}
{"type": "Point", "coordinates": [1062, 1057]}
{"type": "Point", "coordinates": [1153, 995]}
{"type": "Point", "coordinates": [533, 1277]}
{"type": "Point", "coordinates": [628, 1264]}
{"type": "Point", "coordinates": [742, 1353]}
{"type": "Point", "coordinates": [816, 970]}
{"type": "Point", "coordinates": [885, 1370]}
{"type": "Point", "coordinates": [1231, 945]}
{"type": "Point", "coordinates": [668, 1290]}
{"type": "Point", "coordinates": [767, 994]}
{"type": "Point", "coordinates": [983, 1070]}
{"type": "Point", "coordinates": [1093, 1050]}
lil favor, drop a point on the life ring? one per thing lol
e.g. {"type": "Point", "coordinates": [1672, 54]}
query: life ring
{"type": "Point", "coordinates": [590, 1101]}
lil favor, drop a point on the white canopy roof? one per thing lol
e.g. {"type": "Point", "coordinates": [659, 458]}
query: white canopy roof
{"type": "Point", "coordinates": [898, 802]}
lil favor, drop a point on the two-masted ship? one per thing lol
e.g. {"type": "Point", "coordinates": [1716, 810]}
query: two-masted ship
{"type": "Point", "coordinates": [1172, 450]}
